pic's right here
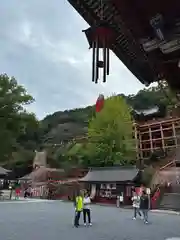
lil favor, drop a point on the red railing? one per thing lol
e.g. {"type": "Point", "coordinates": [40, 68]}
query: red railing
{"type": "Point", "coordinates": [155, 198]}
{"type": "Point", "coordinates": [157, 194]}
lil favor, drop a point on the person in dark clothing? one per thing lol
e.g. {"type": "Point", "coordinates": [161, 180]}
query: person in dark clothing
{"type": "Point", "coordinates": [26, 193]}
{"type": "Point", "coordinates": [144, 205]}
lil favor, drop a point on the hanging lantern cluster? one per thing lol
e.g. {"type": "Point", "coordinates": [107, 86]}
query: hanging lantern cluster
{"type": "Point", "coordinates": [100, 37]}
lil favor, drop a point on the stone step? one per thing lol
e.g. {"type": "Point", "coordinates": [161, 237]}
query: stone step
{"type": "Point", "coordinates": [170, 201]}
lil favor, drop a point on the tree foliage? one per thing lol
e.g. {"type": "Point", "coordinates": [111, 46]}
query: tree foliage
{"type": "Point", "coordinates": [110, 134]}
{"type": "Point", "coordinates": [159, 95]}
{"type": "Point", "coordinates": [13, 98]}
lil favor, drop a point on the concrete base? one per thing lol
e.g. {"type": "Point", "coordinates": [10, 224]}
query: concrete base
{"type": "Point", "coordinates": [165, 211]}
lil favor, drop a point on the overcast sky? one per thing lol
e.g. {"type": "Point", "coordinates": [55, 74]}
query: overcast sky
{"type": "Point", "coordinates": [42, 45]}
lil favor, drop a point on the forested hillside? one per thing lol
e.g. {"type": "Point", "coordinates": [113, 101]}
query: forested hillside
{"type": "Point", "coordinates": [61, 126]}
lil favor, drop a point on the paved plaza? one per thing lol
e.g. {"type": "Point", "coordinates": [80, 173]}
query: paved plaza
{"type": "Point", "coordinates": [53, 220]}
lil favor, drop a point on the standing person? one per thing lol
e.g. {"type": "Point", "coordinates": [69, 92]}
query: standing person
{"type": "Point", "coordinates": [121, 199]}
{"type": "Point", "coordinates": [26, 192]}
{"type": "Point", "coordinates": [78, 209]}
{"type": "Point", "coordinates": [17, 192]}
{"type": "Point", "coordinates": [144, 205]}
{"type": "Point", "coordinates": [141, 189]}
{"type": "Point", "coordinates": [86, 209]}
{"type": "Point", "coordinates": [136, 205]}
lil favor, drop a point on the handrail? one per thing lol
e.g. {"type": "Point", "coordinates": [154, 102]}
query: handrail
{"type": "Point", "coordinates": [167, 165]}
{"type": "Point", "coordinates": [154, 181]}
{"type": "Point", "coordinates": [155, 198]}
{"type": "Point", "coordinates": [157, 194]}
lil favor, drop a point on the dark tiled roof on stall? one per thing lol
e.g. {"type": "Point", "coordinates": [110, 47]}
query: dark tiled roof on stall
{"type": "Point", "coordinates": [4, 171]}
{"type": "Point", "coordinates": [114, 174]}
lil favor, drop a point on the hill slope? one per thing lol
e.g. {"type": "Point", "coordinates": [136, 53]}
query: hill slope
{"type": "Point", "coordinates": [70, 124]}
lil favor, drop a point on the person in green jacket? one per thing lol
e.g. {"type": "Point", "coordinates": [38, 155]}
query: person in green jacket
{"type": "Point", "coordinates": [78, 208]}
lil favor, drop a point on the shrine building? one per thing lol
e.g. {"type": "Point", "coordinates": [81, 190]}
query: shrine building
{"type": "Point", "coordinates": [107, 183]}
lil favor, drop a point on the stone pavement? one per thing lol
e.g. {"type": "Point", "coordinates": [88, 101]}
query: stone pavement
{"type": "Point", "coordinates": [53, 220]}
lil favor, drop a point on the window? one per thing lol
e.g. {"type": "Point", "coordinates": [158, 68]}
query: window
{"type": "Point", "coordinates": [103, 186]}
{"type": "Point", "coordinates": [108, 186]}
{"type": "Point", "coordinates": [113, 185]}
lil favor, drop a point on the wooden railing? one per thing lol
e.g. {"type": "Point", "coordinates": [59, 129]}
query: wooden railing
{"type": "Point", "coordinates": [157, 197]}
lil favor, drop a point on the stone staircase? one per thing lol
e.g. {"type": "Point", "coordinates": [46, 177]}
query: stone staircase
{"type": "Point", "coordinates": [171, 173]}
{"type": "Point", "coordinates": [171, 198]}
{"type": "Point", "coordinates": [170, 201]}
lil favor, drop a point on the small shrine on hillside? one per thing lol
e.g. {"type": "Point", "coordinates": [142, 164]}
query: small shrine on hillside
{"type": "Point", "coordinates": [41, 176]}
{"type": "Point", "coordinates": [52, 183]}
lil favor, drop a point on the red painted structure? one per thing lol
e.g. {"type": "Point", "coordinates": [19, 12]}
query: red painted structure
{"type": "Point", "coordinates": [52, 183]}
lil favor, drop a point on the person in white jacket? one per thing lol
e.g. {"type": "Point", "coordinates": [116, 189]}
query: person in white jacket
{"type": "Point", "coordinates": [136, 205]}
{"type": "Point", "coordinates": [87, 209]}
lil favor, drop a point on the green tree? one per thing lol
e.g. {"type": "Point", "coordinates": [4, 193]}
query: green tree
{"type": "Point", "coordinates": [160, 95]}
{"type": "Point", "coordinates": [110, 135]}
{"type": "Point", "coordinates": [29, 130]}
{"type": "Point", "coordinates": [13, 98]}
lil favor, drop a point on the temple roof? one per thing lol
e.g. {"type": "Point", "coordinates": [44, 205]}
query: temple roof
{"type": "Point", "coordinates": [137, 42]}
{"type": "Point", "coordinates": [26, 177]}
{"type": "Point", "coordinates": [112, 174]}
{"type": "Point", "coordinates": [4, 171]}
{"type": "Point", "coordinates": [42, 174]}
{"type": "Point", "coordinates": [149, 111]}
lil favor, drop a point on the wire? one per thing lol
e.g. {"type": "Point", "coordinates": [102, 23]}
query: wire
{"type": "Point", "coordinates": [101, 10]}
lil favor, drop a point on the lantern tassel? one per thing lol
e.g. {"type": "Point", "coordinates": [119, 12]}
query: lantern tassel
{"type": "Point", "coordinates": [93, 60]}
{"type": "Point", "coordinates": [104, 61]}
{"type": "Point", "coordinates": [97, 60]}
{"type": "Point", "coordinates": [108, 62]}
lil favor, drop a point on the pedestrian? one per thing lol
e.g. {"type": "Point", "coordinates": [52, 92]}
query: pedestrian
{"type": "Point", "coordinates": [87, 209]}
{"type": "Point", "coordinates": [78, 208]}
{"type": "Point", "coordinates": [136, 205]}
{"type": "Point", "coordinates": [17, 192]}
{"type": "Point", "coordinates": [144, 205]}
{"type": "Point", "coordinates": [141, 189]}
{"type": "Point", "coordinates": [26, 193]}
{"type": "Point", "coordinates": [121, 199]}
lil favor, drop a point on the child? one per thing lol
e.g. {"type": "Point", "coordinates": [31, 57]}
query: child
{"type": "Point", "coordinates": [86, 209]}
{"type": "Point", "coordinates": [136, 205]}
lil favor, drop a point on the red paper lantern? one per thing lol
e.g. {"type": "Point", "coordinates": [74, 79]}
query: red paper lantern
{"type": "Point", "coordinates": [100, 103]}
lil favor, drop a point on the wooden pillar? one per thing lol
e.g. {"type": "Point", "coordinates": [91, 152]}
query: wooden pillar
{"type": "Point", "coordinates": [140, 146]}
{"type": "Point", "coordinates": [136, 139]}
{"type": "Point", "coordinates": [150, 138]}
{"type": "Point", "coordinates": [174, 134]}
{"type": "Point", "coordinates": [162, 137]}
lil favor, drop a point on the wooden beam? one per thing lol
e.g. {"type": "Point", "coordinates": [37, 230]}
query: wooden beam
{"type": "Point", "coordinates": [156, 122]}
